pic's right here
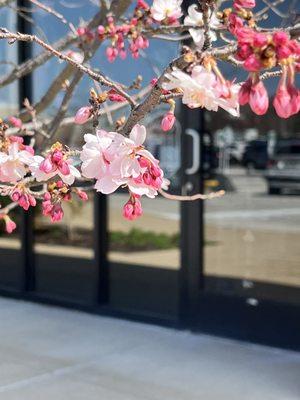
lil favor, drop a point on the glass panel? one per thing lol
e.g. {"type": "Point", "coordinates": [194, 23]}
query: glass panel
{"type": "Point", "coordinates": [252, 233]}
{"type": "Point", "coordinates": [10, 265]}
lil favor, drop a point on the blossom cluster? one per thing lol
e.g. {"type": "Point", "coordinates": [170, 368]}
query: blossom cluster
{"type": "Point", "coordinates": [164, 12]}
{"type": "Point", "coordinates": [205, 88]}
{"type": "Point", "coordinates": [116, 161]}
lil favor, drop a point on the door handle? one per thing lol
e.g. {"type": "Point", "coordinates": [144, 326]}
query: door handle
{"type": "Point", "coordinates": [196, 151]}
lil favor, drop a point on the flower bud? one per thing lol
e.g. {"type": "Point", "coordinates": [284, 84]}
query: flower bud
{"type": "Point", "coordinates": [82, 115]}
{"type": "Point", "coordinates": [259, 99]}
{"type": "Point", "coordinates": [168, 121]}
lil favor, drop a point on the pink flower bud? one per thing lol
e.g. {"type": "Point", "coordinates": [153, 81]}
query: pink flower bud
{"type": "Point", "coordinates": [10, 226]}
{"type": "Point", "coordinates": [259, 99]}
{"type": "Point", "coordinates": [16, 122]}
{"type": "Point", "coordinates": [46, 165]}
{"type": "Point", "coordinates": [57, 213]}
{"type": "Point", "coordinates": [82, 195]}
{"type": "Point", "coordinates": [47, 196]}
{"type": "Point", "coordinates": [260, 40]}
{"type": "Point", "coordinates": [111, 54]}
{"type": "Point", "coordinates": [114, 96]}
{"type": "Point", "coordinates": [147, 178]}
{"type": "Point", "coordinates": [282, 102]}
{"type": "Point", "coordinates": [280, 38]}
{"type": "Point", "coordinates": [168, 121]}
{"type": "Point", "coordinates": [64, 168]}
{"type": "Point", "coordinates": [283, 52]}
{"type": "Point", "coordinates": [155, 171]}
{"type": "Point", "coordinates": [252, 63]}
{"type": "Point", "coordinates": [57, 156]}
{"type": "Point", "coordinates": [244, 4]}
{"type": "Point", "coordinates": [32, 200]}
{"type": "Point", "coordinates": [139, 42]}
{"type": "Point", "coordinates": [144, 163]}
{"type": "Point", "coordinates": [101, 30]}
{"type": "Point", "coordinates": [15, 195]}
{"type": "Point", "coordinates": [59, 184]}
{"type": "Point", "coordinates": [235, 23]}
{"type": "Point", "coordinates": [132, 209]}
{"type": "Point", "coordinates": [142, 4]}
{"type": "Point", "coordinates": [245, 35]}
{"type": "Point", "coordinates": [128, 211]}
{"type": "Point", "coordinates": [81, 31]}
{"type": "Point", "coordinates": [82, 115]}
{"type": "Point", "coordinates": [244, 92]}
{"type": "Point", "coordinates": [24, 202]}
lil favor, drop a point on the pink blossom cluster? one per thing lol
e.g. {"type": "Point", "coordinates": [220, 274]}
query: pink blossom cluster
{"type": "Point", "coordinates": [264, 51]}
{"type": "Point", "coordinates": [165, 12]}
{"type": "Point", "coordinates": [57, 193]}
{"type": "Point", "coordinates": [118, 34]}
{"type": "Point", "coordinates": [116, 161]}
{"type": "Point", "coordinates": [56, 163]}
{"type": "Point", "coordinates": [21, 195]}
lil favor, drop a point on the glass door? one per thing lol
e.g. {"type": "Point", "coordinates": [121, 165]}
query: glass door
{"type": "Point", "coordinates": [144, 254]}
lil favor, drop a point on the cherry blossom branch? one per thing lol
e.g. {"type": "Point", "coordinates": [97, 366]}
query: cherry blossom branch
{"type": "Point", "coordinates": [96, 76]}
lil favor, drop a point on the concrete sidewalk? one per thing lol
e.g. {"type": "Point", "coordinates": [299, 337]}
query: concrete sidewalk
{"type": "Point", "coordinates": [51, 353]}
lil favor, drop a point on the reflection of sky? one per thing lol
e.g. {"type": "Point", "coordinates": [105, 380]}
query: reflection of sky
{"type": "Point", "coordinates": [8, 55]}
{"type": "Point", "coordinates": [159, 54]}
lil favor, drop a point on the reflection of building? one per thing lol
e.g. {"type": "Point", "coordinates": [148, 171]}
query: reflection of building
{"type": "Point", "coordinates": [228, 266]}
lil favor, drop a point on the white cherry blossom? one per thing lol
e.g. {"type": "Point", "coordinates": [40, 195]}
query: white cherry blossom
{"type": "Point", "coordinates": [13, 163]}
{"type": "Point", "coordinates": [162, 9]}
{"type": "Point", "coordinates": [195, 18]}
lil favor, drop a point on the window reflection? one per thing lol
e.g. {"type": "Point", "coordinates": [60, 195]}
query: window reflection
{"type": "Point", "coordinates": [252, 233]}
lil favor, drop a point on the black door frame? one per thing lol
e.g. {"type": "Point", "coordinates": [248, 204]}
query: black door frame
{"type": "Point", "coordinates": [191, 305]}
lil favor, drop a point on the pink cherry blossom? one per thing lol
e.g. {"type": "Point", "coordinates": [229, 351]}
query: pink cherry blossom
{"type": "Point", "coordinates": [114, 161]}
{"type": "Point", "coordinates": [56, 163]}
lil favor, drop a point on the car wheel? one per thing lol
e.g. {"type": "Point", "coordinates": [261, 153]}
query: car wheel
{"type": "Point", "coordinates": [274, 190]}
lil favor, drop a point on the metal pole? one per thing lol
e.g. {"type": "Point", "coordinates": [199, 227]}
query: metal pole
{"type": "Point", "coordinates": [25, 91]}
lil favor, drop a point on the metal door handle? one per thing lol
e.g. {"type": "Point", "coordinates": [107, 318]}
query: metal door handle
{"type": "Point", "coordinates": [196, 151]}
